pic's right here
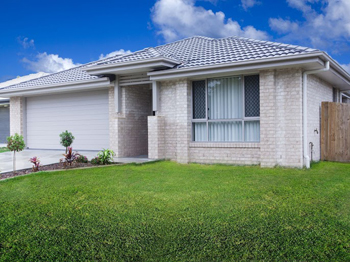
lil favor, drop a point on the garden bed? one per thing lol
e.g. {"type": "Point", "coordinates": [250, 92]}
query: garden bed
{"type": "Point", "coordinates": [56, 166]}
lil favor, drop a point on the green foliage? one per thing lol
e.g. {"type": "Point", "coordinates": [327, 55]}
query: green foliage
{"type": "Point", "coordinates": [96, 161]}
{"type": "Point", "coordinates": [106, 156]}
{"type": "Point", "coordinates": [82, 159]}
{"type": "Point", "coordinates": [3, 149]}
{"type": "Point", "coordinates": [15, 143]}
{"type": "Point", "coordinates": [171, 212]}
{"type": "Point", "coordinates": [67, 139]}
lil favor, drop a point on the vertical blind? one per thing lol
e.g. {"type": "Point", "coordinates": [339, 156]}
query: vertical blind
{"type": "Point", "coordinates": [224, 102]}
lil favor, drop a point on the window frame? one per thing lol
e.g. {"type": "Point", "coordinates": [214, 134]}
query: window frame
{"type": "Point", "coordinates": [206, 120]}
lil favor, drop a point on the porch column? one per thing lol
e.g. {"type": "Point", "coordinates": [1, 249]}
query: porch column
{"type": "Point", "coordinates": [156, 137]}
{"type": "Point", "coordinates": [17, 113]}
{"type": "Point", "coordinates": [155, 96]}
{"type": "Point", "coordinates": [183, 120]}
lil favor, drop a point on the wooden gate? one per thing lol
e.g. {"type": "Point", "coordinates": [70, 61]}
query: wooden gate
{"type": "Point", "coordinates": [335, 132]}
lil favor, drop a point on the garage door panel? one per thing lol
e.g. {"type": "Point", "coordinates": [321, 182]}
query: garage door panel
{"type": "Point", "coordinates": [85, 114]}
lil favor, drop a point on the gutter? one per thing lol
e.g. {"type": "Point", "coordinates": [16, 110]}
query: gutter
{"type": "Point", "coordinates": [61, 87]}
{"type": "Point", "coordinates": [305, 144]}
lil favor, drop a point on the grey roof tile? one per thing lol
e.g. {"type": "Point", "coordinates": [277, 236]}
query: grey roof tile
{"type": "Point", "coordinates": [190, 52]}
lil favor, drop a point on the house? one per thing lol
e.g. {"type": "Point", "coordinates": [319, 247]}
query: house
{"type": "Point", "coordinates": [5, 103]}
{"type": "Point", "coordinates": [232, 100]}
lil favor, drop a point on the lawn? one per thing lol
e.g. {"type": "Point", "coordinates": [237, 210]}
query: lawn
{"type": "Point", "coordinates": [170, 212]}
{"type": "Point", "coordinates": [3, 149]}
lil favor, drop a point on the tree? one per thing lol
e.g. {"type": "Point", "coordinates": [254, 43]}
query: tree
{"type": "Point", "coordinates": [15, 144]}
{"type": "Point", "coordinates": [66, 139]}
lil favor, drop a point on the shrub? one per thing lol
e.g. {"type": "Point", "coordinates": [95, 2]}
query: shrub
{"type": "Point", "coordinates": [66, 139]}
{"type": "Point", "coordinates": [96, 161]}
{"type": "Point", "coordinates": [36, 163]}
{"type": "Point", "coordinates": [69, 158]}
{"type": "Point", "coordinates": [15, 144]}
{"type": "Point", "coordinates": [82, 159]}
{"type": "Point", "coordinates": [106, 156]}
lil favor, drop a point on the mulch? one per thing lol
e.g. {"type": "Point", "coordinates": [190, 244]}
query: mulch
{"type": "Point", "coordinates": [57, 166]}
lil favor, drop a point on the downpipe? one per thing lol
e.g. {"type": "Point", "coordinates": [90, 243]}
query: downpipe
{"type": "Point", "coordinates": [305, 143]}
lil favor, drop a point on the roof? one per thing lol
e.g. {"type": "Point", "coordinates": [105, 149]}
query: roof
{"type": "Point", "coordinates": [21, 79]}
{"type": "Point", "coordinates": [190, 52]}
{"type": "Point", "coordinates": [203, 51]}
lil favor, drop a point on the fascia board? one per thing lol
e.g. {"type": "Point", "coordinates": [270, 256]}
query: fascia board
{"type": "Point", "coordinates": [97, 69]}
{"type": "Point", "coordinates": [233, 68]}
{"type": "Point", "coordinates": [65, 87]}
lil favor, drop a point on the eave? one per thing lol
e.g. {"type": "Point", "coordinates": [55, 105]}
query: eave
{"type": "Point", "coordinates": [138, 66]}
{"type": "Point", "coordinates": [57, 88]}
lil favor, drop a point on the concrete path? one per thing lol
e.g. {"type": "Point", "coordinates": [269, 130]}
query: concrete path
{"type": "Point", "coordinates": [48, 157]}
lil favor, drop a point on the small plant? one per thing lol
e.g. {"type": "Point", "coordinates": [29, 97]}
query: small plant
{"type": "Point", "coordinates": [15, 144]}
{"type": "Point", "coordinates": [66, 139]}
{"type": "Point", "coordinates": [69, 158]}
{"type": "Point", "coordinates": [82, 159]}
{"type": "Point", "coordinates": [36, 163]}
{"type": "Point", "coordinates": [96, 161]}
{"type": "Point", "coordinates": [106, 156]}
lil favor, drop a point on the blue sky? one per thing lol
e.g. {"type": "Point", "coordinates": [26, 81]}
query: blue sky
{"type": "Point", "coordinates": [49, 36]}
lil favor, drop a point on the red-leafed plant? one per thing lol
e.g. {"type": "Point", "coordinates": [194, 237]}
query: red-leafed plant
{"type": "Point", "coordinates": [70, 158]}
{"type": "Point", "coordinates": [36, 163]}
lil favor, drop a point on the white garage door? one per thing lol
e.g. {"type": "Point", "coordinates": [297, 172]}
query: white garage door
{"type": "Point", "coordinates": [85, 114]}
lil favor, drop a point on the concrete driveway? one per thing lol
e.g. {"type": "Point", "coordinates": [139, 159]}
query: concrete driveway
{"type": "Point", "coordinates": [46, 157]}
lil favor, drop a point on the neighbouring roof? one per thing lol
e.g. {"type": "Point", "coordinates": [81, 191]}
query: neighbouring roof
{"type": "Point", "coordinates": [21, 79]}
{"type": "Point", "coordinates": [190, 52]}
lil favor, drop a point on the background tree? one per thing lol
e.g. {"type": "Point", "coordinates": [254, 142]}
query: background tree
{"type": "Point", "coordinates": [15, 144]}
{"type": "Point", "coordinates": [66, 139]}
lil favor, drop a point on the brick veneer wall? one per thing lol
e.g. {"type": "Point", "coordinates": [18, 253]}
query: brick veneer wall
{"type": "Point", "coordinates": [281, 118]}
{"type": "Point", "coordinates": [156, 141]}
{"type": "Point", "coordinates": [17, 115]}
{"type": "Point", "coordinates": [318, 91]}
{"type": "Point", "coordinates": [128, 129]}
{"type": "Point", "coordinates": [280, 124]}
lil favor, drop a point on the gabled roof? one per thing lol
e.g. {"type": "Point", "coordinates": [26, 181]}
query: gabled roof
{"type": "Point", "coordinates": [202, 51]}
{"type": "Point", "coordinates": [193, 52]}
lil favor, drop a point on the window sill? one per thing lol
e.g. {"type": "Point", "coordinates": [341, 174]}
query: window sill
{"type": "Point", "coordinates": [224, 145]}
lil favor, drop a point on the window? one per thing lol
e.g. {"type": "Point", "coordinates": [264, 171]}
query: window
{"type": "Point", "coordinates": [226, 109]}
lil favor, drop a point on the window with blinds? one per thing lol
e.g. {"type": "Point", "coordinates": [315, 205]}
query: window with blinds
{"type": "Point", "coordinates": [226, 110]}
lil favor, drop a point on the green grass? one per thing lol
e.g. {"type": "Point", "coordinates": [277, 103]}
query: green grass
{"type": "Point", "coordinates": [170, 212]}
{"type": "Point", "coordinates": [3, 149]}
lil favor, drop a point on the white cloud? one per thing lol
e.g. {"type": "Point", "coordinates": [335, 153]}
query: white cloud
{"type": "Point", "coordinates": [25, 42]}
{"type": "Point", "coordinates": [249, 3]}
{"type": "Point", "coordinates": [327, 27]}
{"type": "Point", "coordinates": [346, 67]}
{"type": "Point", "coordinates": [282, 26]}
{"type": "Point", "coordinates": [49, 63]}
{"type": "Point", "coordinates": [176, 19]}
{"type": "Point", "coordinates": [117, 52]}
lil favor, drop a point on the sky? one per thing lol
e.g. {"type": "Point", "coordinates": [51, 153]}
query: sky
{"type": "Point", "coordinates": [50, 36]}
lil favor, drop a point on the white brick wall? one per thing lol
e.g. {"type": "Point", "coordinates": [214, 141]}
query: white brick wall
{"type": "Point", "coordinates": [318, 91]}
{"type": "Point", "coordinates": [281, 118]}
{"type": "Point", "coordinates": [289, 122]}
{"type": "Point", "coordinates": [16, 115]}
{"type": "Point", "coordinates": [128, 130]}
{"type": "Point", "coordinates": [156, 144]}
